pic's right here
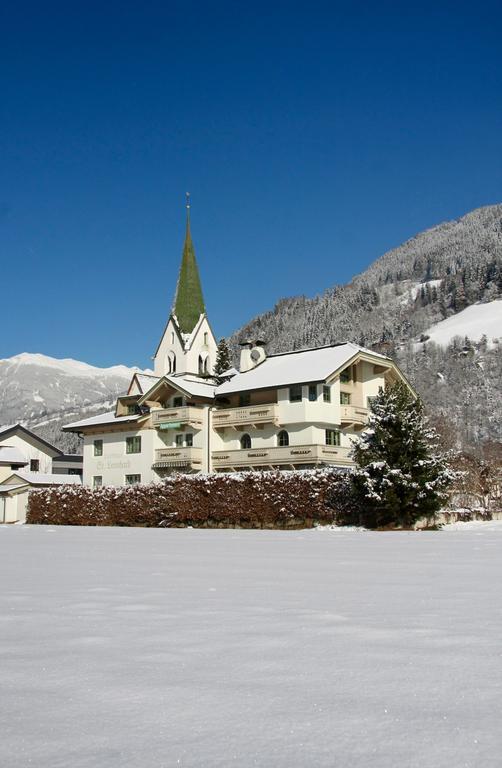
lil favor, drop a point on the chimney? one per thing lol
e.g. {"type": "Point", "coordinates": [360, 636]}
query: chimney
{"type": "Point", "coordinates": [252, 354]}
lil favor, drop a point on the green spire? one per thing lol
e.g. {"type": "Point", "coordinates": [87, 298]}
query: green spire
{"type": "Point", "coordinates": [188, 301]}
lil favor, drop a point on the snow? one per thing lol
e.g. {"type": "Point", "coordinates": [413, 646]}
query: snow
{"type": "Point", "coordinates": [126, 647]}
{"type": "Point", "coordinates": [68, 366]}
{"type": "Point", "coordinates": [295, 368]}
{"type": "Point", "coordinates": [474, 321]}
{"type": "Point", "coordinates": [102, 418]}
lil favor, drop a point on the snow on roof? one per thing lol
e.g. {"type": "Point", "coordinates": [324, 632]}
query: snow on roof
{"type": "Point", "coordinates": [295, 368]}
{"type": "Point", "coordinates": [38, 478]}
{"type": "Point", "coordinates": [193, 385]}
{"type": "Point", "coordinates": [146, 381]}
{"type": "Point", "coordinates": [11, 455]}
{"type": "Point", "coordinates": [102, 418]}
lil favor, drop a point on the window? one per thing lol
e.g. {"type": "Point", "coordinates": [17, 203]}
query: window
{"type": "Point", "coordinates": [34, 465]}
{"type": "Point", "coordinates": [177, 402]}
{"type": "Point", "coordinates": [98, 447]}
{"type": "Point", "coordinates": [369, 400]}
{"type": "Point", "coordinates": [172, 337]}
{"type": "Point", "coordinates": [344, 398]}
{"type": "Point", "coordinates": [332, 437]}
{"type": "Point", "coordinates": [133, 444]}
{"type": "Point", "coordinates": [245, 442]}
{"type": "Point", "coordinates": [244, 399]}
{"type": "Point", "coordinates": [283, 438]}
{"type": "Point", "coordinates": [295, 393]}
{"type": "Point", "coordinates": [172, 364]}
{"type": "Point", "coordinates": [131, 409]}
{"type": "Point", "coordinates": [97, 481]}
{"type": "Point", "coordinates": [326, 394]}
{"type": "Point", "coordinates": [312, 393]}
{"type": "Point", "coordinates": [179, 441]}
{"type": "Point", "coordinates": [205, 338]}
{"type": "Point", "coordinates": [345, 376]}
{"type": "Point", "coordinates": [189, 440]}
{"type": "Point", "coordinates": [132, 479]}
{"type": "Point", "coordinates": [201, 366]}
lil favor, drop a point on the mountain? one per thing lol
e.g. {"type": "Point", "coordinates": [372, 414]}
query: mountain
{"type": "Point", "coordinates": [44, 393]}
{"type": "Point", "coordinates": [398, 301]}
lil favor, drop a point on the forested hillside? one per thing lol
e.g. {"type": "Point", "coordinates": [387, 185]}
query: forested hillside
{"type": "Point", "coordinates": [396, 300]}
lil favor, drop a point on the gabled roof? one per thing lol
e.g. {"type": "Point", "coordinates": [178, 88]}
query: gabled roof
{"type": "Point", "coordinates": [301, 367]}
{"type": "Point", "coordinates": [145, 381]}
{"type": "Point", "coordinates": [14, 429]}
{"type": "Point", "coordinates": [187, 385]}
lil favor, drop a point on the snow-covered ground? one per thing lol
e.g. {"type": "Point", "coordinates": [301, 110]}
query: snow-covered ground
{"type": "Point", "coordinates": [158, 648]}
{"type": "Point", "coordinates": [476, 320]}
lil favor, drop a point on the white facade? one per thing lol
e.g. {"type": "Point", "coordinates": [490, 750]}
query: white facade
{"type": "Point", "coordinates": [192, 424]}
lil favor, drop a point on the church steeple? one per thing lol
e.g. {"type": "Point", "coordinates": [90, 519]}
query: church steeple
{"type": "Point", "coordinates": [188, 301]}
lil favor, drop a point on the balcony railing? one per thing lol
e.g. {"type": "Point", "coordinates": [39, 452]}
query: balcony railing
{"type": "Point", "coordinates": [166, 458]}
{"type": "Point", "coordinates": [291, 455]}
{"type": "Point", "coordinates": [353, 414]}
{"type": "Point", "coordinates": [168, 417]}
{"type": "Point", "coordinates": [247, 416]}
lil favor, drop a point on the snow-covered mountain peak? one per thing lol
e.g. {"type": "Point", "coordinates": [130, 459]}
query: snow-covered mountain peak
{"type": "Point", "coordinates": [68, 366]}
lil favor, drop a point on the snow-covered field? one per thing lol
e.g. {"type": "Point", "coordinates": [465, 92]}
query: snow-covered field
{"type": "Point", "coordinates": [159, 648]}
{"type": "Point", "coordinates": [476, 320]}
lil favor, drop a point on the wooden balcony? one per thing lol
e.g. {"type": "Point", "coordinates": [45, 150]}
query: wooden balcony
{"type": "Point", "coordinates": [355, 415]}
{"type": "Point", "coordinates": [248, 416]}
{"type": "Point", "coordinates": [167, 418]}
{"type": "Point", "coordinates": [178, 458]}
{"type": "Point", "coordinates": [290, 456]}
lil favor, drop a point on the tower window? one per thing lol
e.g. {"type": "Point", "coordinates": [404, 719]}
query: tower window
{"type": "Point", "coordinates": [245, 442]}
{"type": "Point", "coordinates": [205, 338]}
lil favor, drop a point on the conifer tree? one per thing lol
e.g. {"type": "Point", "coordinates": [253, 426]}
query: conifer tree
{"type": "Point", "coordinates": [401, 474]}
{"type": "Point", "coordinates": [223, 361]}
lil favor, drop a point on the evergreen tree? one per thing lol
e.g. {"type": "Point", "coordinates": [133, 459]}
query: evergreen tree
{"type": "Point", "coordinates": [223, 361]}
{"type": "Point", "coordinates": [401, 475]}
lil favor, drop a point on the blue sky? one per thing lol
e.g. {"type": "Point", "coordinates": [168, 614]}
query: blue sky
{"type": "Point", "coordinates": [312, 136]}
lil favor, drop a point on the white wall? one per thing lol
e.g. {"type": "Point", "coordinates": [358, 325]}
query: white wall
{"type": "Point", "coordinates": [30, 451]}
{"type": "Point", "coordinates": [115, 463]}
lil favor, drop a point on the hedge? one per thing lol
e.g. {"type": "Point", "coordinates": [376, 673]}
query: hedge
{"type": "Point", "coordinates": [275, 499]}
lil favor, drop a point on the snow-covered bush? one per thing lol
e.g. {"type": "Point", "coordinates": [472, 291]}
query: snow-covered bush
{"type": "Point", "coordinates": [244, 499]}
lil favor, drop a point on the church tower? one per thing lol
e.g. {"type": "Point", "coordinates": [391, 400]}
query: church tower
{"type": "Point", "coordinates": [188, 345]}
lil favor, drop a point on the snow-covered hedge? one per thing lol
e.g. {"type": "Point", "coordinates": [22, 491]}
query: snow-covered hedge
{"type": "Point", "coordinates": [244, 499]}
